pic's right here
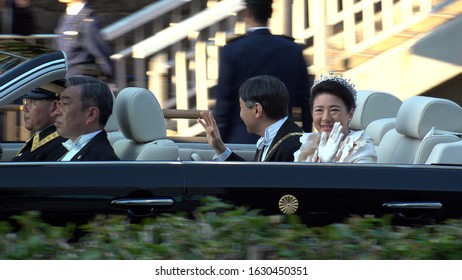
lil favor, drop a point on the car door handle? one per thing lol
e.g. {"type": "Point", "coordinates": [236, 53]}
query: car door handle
{"type": "Point", "coordinates": [126, 202]}
{"type": "Point", "coordinates": [413, 205]}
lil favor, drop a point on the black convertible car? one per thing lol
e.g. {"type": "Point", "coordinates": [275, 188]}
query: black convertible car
{"type": "Point", "coordinates": [418, 177]}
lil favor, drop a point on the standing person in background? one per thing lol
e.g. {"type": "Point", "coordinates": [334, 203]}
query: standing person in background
{"type": "Point", "coordinates": [17, 16]}
{"type": "Point", "coordinates": [82, 114]}
{"type": "Point", "coordinates": [259, 53]}
{"type": "Point", "coordinates": [39, 116]}
{"type": "Point", "coordinates": [80, 38]}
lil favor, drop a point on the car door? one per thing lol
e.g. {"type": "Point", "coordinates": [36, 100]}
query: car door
{"type": "Point", "coordinates": [326, 193]}
{"type": "Point", "coordinates": [72, 191]}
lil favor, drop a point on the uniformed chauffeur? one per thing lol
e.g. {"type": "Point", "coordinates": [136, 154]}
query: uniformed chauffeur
{"type": "Point", "coordinates": [39, 117]}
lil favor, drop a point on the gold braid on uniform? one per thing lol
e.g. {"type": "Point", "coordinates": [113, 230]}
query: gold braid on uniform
{"type": "Point", "coordinates": [275, 146]}
{"type": "Point", "coordinates": [37, 144]}
{"type": "Point", "coordinates": [19, 153]}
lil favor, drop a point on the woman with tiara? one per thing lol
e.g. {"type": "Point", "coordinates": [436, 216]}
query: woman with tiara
{"type": "Point", "coordinates": [333, 102]}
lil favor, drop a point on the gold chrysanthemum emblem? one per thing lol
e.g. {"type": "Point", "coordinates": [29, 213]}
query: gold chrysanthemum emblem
{"type": "Point", "coordinates": [288, 204]}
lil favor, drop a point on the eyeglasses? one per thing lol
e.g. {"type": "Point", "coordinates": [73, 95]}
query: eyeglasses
{"type": "Point", "coordinates": [31, 103]}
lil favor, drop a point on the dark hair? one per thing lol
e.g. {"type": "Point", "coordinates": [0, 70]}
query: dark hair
{"type": "Point", "coordinates": [261, 13]}
{"type": "Point", "coordinates": [334, 88]}
{"type": "Point", "coordinates": [270, 92]}
{"type": "Point", "coordinates": [94, 92]}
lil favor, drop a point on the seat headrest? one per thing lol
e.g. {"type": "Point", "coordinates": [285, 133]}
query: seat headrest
{"type": "Point", "coordinates": [418, 114]}
{"type": "Point", "coordinates": [112, 124]}
{"type": "Point", "coordinates": [139, 115]}
{"type": "Point", "coordinates": [378, 128]}
{"type": "Point", "coordinates": [373, 105]}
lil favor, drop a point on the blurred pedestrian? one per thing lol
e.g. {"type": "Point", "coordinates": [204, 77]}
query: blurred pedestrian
{"type": "Point", "coordinates": [88, 53]}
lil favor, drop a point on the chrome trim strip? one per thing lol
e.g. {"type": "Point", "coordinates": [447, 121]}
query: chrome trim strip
{"type": "Point", "coordinates": [413, 205]}
{"type": "Point", "coordinates": [142, 202]}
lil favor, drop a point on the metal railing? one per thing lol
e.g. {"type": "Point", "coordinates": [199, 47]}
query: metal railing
{"type": "Point", "coordinates": [141, 25]}
{"type": "Point", "coordinates": [367, 23]}
{"type": "Point", "coordinates": [39, 39]}
{"type": "Point", "coordinates": [12, 120]}
{"type": "Point", "coordinates": [141, 18]}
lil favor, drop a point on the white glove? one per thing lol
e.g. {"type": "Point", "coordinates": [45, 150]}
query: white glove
{"type": "Point", "coordinates": [328, 147]}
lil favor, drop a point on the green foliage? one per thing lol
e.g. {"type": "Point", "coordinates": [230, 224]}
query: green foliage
{"type": "Point", "coordinates": [221, 231]}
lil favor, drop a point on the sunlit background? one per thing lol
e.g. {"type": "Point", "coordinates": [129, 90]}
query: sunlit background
{"type": "Point", "coordinates": [171, 47]}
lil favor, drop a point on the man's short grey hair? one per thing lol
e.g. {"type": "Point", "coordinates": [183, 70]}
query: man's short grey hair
{"type": "Point", "coordinates": [94, 93]}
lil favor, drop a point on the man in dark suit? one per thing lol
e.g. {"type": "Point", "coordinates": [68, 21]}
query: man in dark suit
{"type": "Point", "coordinates": [264, 110]}
{"type": "Point", "coordinates": [259, 53]}
{"type": "Point", "coordinates": [83, 111]}
{"type": "Point", "coordinates": [39, 107]}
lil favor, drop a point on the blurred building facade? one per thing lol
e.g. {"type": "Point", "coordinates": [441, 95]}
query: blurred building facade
{"type": "Point", "coordinates": [171, 47]}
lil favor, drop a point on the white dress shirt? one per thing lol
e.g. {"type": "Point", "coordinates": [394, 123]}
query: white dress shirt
{"type": "Point", "coordinates": [270, 132]}
{"type": "Point", "coordinates": [74, 147]}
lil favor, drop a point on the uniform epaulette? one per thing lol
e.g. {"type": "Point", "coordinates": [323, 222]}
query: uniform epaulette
{"type": "Point", "coordinates": [287, 37]}
{"type": "Point", "coordinates": [235, 37]}
{"type": "Point", "coordinates": [292, 39]}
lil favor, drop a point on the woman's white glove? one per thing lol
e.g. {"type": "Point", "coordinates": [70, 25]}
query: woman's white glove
{"type": "Point", "coordinates": [328, 147]}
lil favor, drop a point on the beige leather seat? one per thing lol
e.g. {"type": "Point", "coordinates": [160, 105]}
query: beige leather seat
{"type": "Point", "coordinates": [446, 153]}
{"type": "Point", "coordinates": [373, 105]}
{"type": "Point", "coordinates": [378, 128]}
{"type": "Point", "coordinates": [142, 122]}
{"type": "Point", "coordinates": [112, 126]}
{"type": "Point", "coordinates": [410, 140]}
{"type": "Point", "coordinates": [113, 130]}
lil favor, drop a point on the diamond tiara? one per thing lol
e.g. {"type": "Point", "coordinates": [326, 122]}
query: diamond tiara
{"type": "Point", "coordinates": [339, 79]}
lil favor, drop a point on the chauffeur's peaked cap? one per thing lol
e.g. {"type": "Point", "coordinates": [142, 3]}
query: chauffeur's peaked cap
{"type": "Point", "coordinates": [50, 91]}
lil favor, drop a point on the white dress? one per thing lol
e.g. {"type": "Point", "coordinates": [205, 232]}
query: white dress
{"type": "Point", "coordinates": [357, 147]}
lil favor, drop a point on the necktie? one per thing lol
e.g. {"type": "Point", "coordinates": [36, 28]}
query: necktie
{"type": "Point", "coordinates": [259, 154]}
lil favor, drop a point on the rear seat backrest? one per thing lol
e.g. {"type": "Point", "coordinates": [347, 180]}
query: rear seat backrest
{"type": "Point", "coordinates": [429, 142]}
{"type": "Point", "coordinates": [446, 153]}
{"type": "Point", "coordinates": [373, 105]}
{"type": "Point", "coordinates": [416, 117]}
{"type": "Point", "coordinates": [142, 122]}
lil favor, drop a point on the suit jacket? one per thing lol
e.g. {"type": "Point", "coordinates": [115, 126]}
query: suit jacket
{"type": "Point", "coordinates": [284, 144]}
{"type": "Point", "coordinates": [48, 147]}
{"type": "Point", "coordinates": [259, 53]}
{"type": "Point", "coordinates": [98, 148]}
